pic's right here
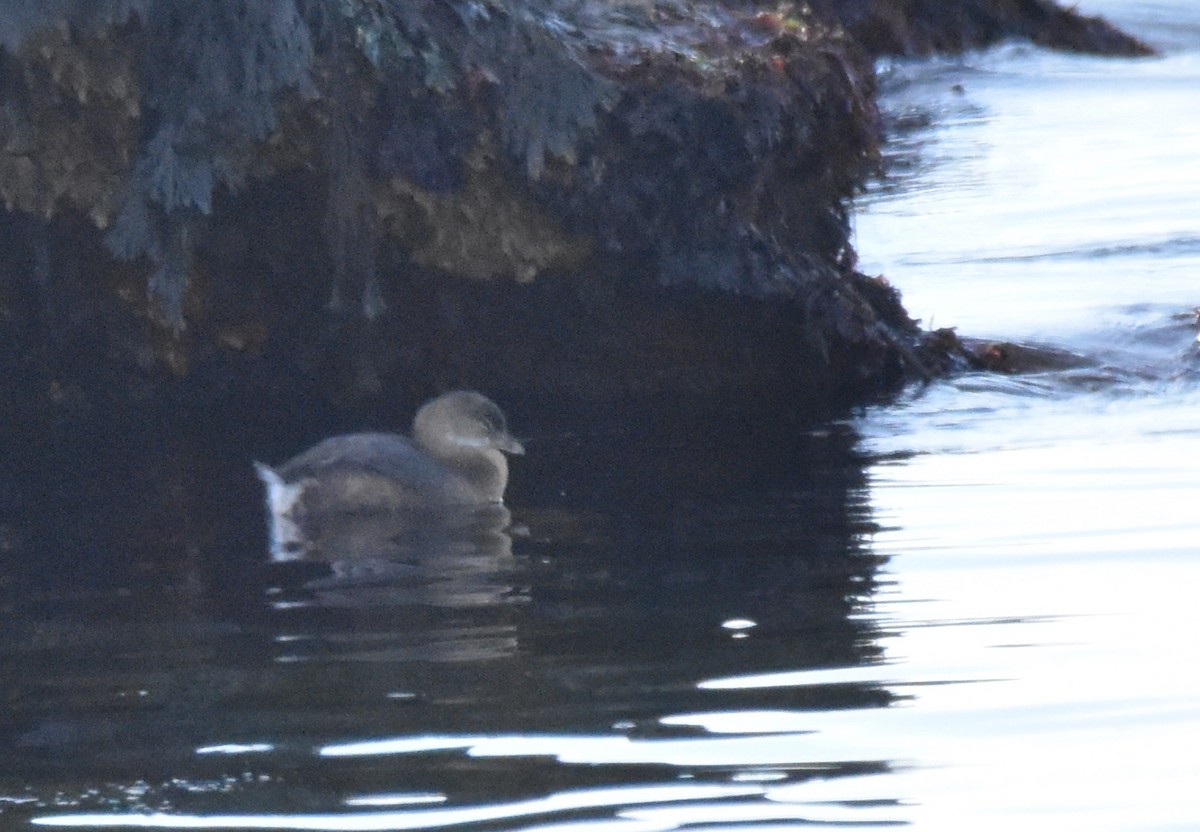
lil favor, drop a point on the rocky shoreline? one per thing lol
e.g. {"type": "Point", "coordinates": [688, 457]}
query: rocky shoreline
{"type": "Point", "coordinates": [579, 207]}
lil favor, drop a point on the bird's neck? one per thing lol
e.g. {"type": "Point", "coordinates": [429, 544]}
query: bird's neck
{"type": "Point", "coordinates": [485, 469]}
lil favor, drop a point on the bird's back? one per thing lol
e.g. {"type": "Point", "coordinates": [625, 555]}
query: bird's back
{"type": "Point", "coordinates": [374, 470]}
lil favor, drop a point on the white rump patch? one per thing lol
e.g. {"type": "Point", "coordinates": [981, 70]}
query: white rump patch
{"type": "Point", "coordinates": [287, 542]}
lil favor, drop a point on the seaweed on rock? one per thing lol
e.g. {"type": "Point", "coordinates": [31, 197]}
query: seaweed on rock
{"type": "Point", "coordinates": [764, 145]}
{"type": "Point", "coordinates": [548, 99]}
{"type": "Point", "coordinates": [204, 90]}
{"type": "Point", "coordinates": [668, 181]}
{"type": "Point", "coordinates": [212, 75]}
{"type": "Point", "coordinates": [351, 222]}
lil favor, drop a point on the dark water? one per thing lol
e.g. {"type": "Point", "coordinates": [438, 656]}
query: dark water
{"type": "Point", "coordinates": [971, 609]}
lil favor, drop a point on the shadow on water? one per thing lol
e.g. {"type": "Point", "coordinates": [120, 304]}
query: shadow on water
{"type": "Point", "coordinates": [153, 659]}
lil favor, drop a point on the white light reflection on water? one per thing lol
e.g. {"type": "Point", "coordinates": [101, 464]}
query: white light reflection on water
{"type": "Point", "coordinates": [1089, 551]}
{"type": "Point", "coordinates": [1061, 185]}
{"type": "Point", "coordinates": [238, 748]}
{"type": "Point", "coordinates": [568, 801]}
{"type": "Point", "coordinates": [394, 799]}
{"type": "Point", "coordinates": [1043, 533]}
{"type": "Point", "coordinates": [785, 747]}
{"type": "Point", "coordinates": [1079, 625]}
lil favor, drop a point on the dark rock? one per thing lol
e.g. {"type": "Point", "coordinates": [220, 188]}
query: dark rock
{"type": "Point", "coordinates": [922, 27]}
{"type": "Point", "coordinates": [572, 205]}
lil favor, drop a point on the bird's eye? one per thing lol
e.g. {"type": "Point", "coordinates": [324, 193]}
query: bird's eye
{"type": "Point", "coordinates": [494, 421]}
